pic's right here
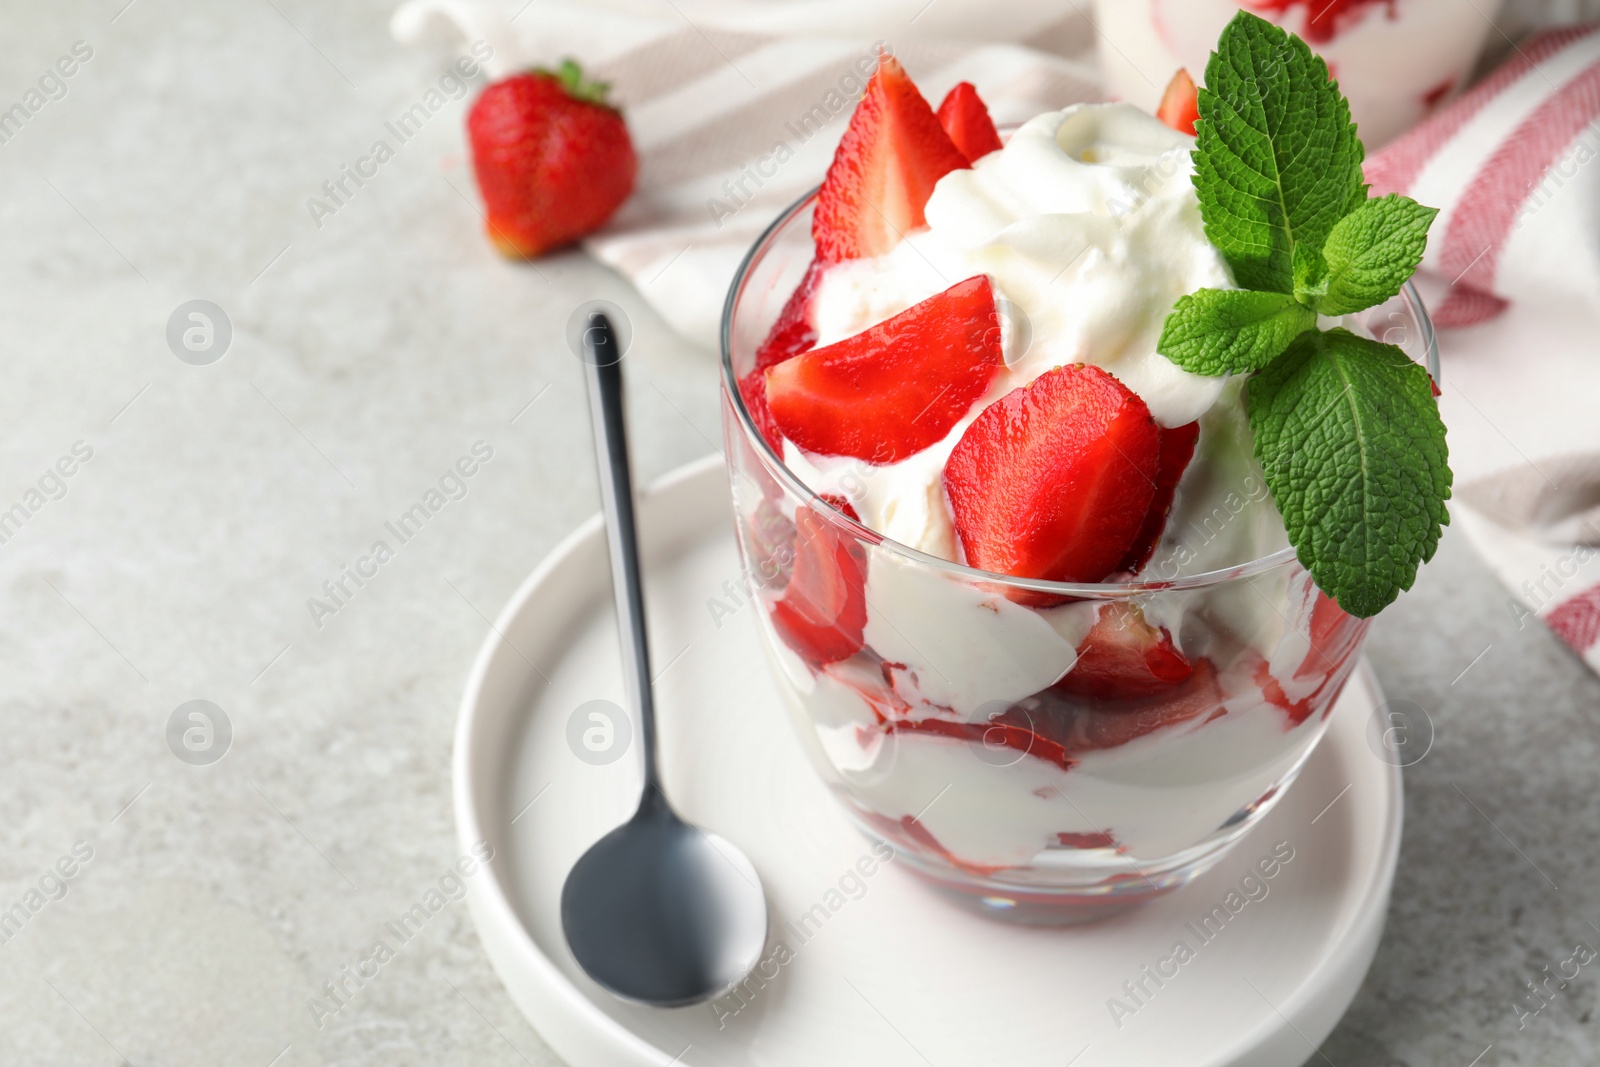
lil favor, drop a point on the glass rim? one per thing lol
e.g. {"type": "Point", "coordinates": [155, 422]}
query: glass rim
{"type": "Point", "coordinates": [1081, 590]}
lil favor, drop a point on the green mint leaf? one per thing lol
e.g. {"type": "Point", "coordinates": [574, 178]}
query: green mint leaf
{"type": "Point", "coordinates": [1230, 331]}
{"type": "Point", "coordinates": [1372, 251]}
{"type": "Point", "coordinates": [1349, 436]}
{"type": "Point", "coordinates": [1277, 161]}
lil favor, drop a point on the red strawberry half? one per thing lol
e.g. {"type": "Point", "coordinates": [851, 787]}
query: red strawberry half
{"type": "Point", "coordinates": [1180, 103]}
{"type": "Point", "coordinates": [1177, 449]}
{"type": "Point", "coordinates": [1123, 657]}
{"type": "Point", "coordinates": [883, 171]}
{"type": "Point", "coordinates": [896, 388]}
{"type": "Point", "coordinates": [967, 121]}
{"type": "Point", "coordinates": [1054, 479]}
{"type": "Point", "coordinates": [823, 612]}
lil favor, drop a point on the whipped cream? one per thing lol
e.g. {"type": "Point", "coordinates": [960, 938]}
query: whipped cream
{"type": "Point", "coordinates": [1087, 225]}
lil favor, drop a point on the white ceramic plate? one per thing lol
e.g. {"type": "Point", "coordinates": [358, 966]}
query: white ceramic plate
{"type": "Point", "coordinates": [886, 973]}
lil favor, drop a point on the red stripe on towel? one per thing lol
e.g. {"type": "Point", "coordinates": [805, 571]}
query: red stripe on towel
{"type": "Point", "coordinates": [1577, 621]}
{"type": "Point", "coordinates": [1487, 211]}
{"type": "Point", "coordinates": [1468, 307]}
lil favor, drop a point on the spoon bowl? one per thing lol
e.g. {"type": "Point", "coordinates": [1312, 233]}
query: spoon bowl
{"type": "Point", "coordinates": [661, 912]}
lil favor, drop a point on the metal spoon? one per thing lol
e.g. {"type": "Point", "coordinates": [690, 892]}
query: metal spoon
{"type": "Point", "coordinates": [657, 911]}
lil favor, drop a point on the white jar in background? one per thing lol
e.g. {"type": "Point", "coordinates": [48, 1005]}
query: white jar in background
{"type": "Point", "coordinates": [1396, 60]}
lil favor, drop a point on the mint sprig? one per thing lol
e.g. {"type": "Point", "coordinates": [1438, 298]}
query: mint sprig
{"type": "Point", "coordinates": [1346, 428]}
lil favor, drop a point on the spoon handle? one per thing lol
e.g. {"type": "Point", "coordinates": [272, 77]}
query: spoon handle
{"type": "Point", "coordinates": [604, 359]}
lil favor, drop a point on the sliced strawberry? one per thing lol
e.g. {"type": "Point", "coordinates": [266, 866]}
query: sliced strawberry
{"type": "Point", "coordinates": [1335, 636]}
{"type": "Point", "coordinates": [792, 333]}
{"type": "Point", "coordinates": [841, 504]}
{"type": "Point", "coordinates": [1058, 728]}
{"type": "Point", "coordinates": [769, 545]}
{"type": "Point", "coordinates": [1012, 728]}
{"type": "Point", "coordinates": [1086, 839]}
{"type": "Point", "coordinates": [823, 612]}
{"type": "Point", "coordinates": [1087, 727]}
{"type": "Point", "coordinates": [1180, 103]}
{"type": "Point", "coordinates": [858, 676]}
{"type": "Point", "coordinates": [1123, 657]}
{"type": "Point", "coordinates": [753, 388]}
{"type": "Point", "coordinates": [1177, 449]}
{"type": "Point", "coordinates": [1297, 711]}
{"type": "Point", "coordinates": [1054, 479]}
{"type": "Point", "coordinates": [883, 171]}
{"type": "Point", "coordinates": [898, 387]}
{"type": "Point", "coordinates": [967, 121]}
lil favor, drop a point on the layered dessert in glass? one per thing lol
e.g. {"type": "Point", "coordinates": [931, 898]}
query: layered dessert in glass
{"type": "Point", "coordinates": [1029, 602]}
{"type": "Point", "coordinates": [1396, 60]}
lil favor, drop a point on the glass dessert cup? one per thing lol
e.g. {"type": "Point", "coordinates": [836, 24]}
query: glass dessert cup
{"type": "Point", "coordinates": [1395, 63]}
{"type": "Point", "coordinates": [947, 708]}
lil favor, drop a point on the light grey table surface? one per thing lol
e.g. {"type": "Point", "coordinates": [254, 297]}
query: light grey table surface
{"type": "Point", "coordinates": [367, 355]}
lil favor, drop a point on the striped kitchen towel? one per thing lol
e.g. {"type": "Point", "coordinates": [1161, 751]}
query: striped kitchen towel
{"type": "Point", "coordinates": [736, 107]}
{"type": "Point", "coordinates": [1507, 162]}
{"type": "Point", "coordinates": [1514, 167]}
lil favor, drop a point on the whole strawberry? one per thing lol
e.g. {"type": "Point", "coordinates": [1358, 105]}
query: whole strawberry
{"type": "Point", "coordinates": [552, 157]}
